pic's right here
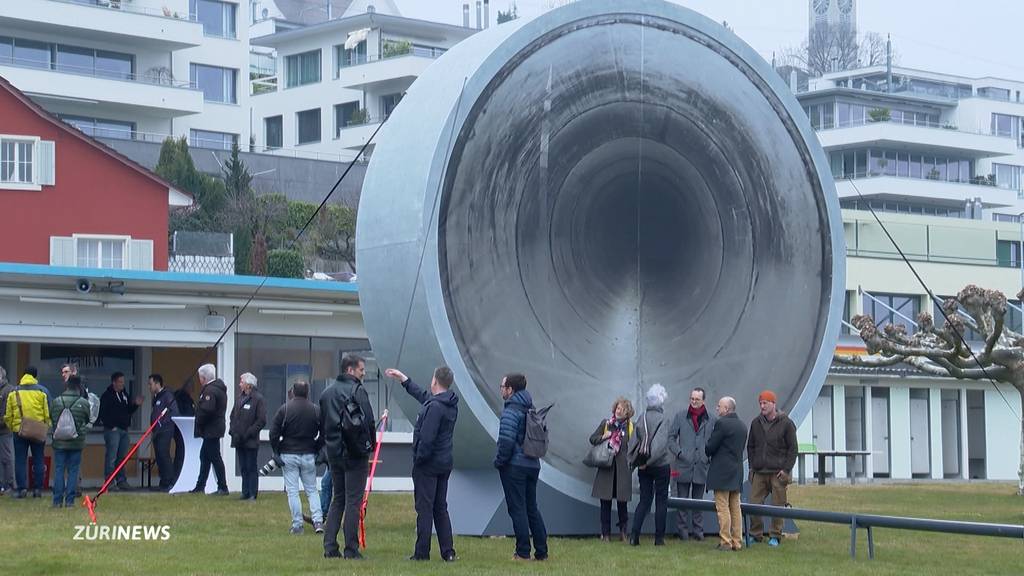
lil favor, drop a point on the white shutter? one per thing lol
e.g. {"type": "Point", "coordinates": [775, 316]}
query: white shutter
{"type": "Point", "coordinates": [46, 163]}
{"type": "Point", "coordinates": [62, 251]}
{"type": "Point", "coordinates": [140, 255]}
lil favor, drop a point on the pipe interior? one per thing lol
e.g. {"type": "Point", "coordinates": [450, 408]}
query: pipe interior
{"type": "Point", "coordinates": [624, 206]}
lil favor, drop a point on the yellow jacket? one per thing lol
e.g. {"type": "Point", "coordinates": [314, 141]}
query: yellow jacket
{"type": "Point", "coordinates": [35, 403]}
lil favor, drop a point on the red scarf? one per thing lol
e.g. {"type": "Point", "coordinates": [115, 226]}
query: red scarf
{"type": "Point", "coordinates": [695, 416]}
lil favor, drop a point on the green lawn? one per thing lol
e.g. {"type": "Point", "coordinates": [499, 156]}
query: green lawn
{"type": "Point", "coordinates": [211, 535]}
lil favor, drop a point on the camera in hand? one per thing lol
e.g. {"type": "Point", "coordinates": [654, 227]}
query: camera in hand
{"type": "Point", "coordinates": [270, 466]}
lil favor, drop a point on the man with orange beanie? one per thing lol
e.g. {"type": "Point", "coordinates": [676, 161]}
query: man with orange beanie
{"type": "Point", "coordinates": [771, 454]}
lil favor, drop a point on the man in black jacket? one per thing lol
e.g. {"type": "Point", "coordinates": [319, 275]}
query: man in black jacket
{"type": "Point", "coordinates": [725, 474]}
{"type": "Point", "coordinates": [295, 438]}
{"type": "Point", "coordinates": [432, 459]}
{"type": "Point", "coordinates": [164, 431]}
{"type": "Point", "coordinates": [116, 411]}
{"type": "Point", "coordinates": [348, 468]}
{"type": "Point", "coordinates": [248, 417]}
{"type": "Point", "coordinates": [210, 410]}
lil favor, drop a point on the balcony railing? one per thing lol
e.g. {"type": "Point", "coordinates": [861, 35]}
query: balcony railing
{"type": "Point", "coordinates": [158, 76]}
{"type": "Point", "coordinates": [198, 142]}
{"type": "Point", "coordinates": [867, 240]}
{"type": "Point", "coordinates": [128, 6]}
{"type": "Point", "coordinates": [975, 181]}
{"type": "Point", "coordinates": [930, 125]}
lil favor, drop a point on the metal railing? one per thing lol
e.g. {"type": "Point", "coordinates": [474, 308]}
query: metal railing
{"type": "Point", "coordinates": [922, 236]}
{"type": "Point", "coordinates": [155, 76]}
{"type": "Point", "coordinates": [865, 521]}
{"type": "Point", "coordinates": [128, 6]}
{"type": "Point", "coordinates": [220, 145]}
{"type": "Point", "coordinates": [928, 177]}
{"type": "Point", "coordinates": [981, 131]}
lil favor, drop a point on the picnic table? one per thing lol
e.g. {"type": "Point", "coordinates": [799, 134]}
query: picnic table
{"type": "Point", "coordinates": [850, 456]}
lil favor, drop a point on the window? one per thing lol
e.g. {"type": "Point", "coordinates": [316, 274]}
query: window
{"type": "Point", "coordinates": [273, 128]}
{"type": "Point", "coordinates": [995, 93]}
{"type": "Point", "coordinates": [210, 139]}
{"type": "Point", "coordinates": [308, 122]}
{"type": "Point", "coordinates": [879, 309]}
{"type": "Point", "coordinates": [1014, 218]}
{"type": "Point", "coordinates": [1009, 176]}
{"type": "Point", "coordinates": [217, 84]}
{"type": "Point", "coordinates": [218, 18]}
{"type": "Point", "coordinates": [1006, 126]}
{"type": "Point", "coordinates": [303, 68]}
{"type": "Point", "coordinates": [1008, 253]}
{"type": "Point", "coordinates": [114, 65]}
{"type": "Point", "coordinates": [343, 116]}
{"type": "Point", "coordinates": [32, 53]}
{"type": "Point", "coordinates": [100, 253]}
{"type": "Point", "coordinates": [16, 161]}
{"type": "Point", "coordinates": [388, 103]}
{"type": "Point", "coordinates": [6, 49]}
{"type": "Point", "coordinates": [100, 128]}
{"type": "Point", "coordinates": [352, 57]}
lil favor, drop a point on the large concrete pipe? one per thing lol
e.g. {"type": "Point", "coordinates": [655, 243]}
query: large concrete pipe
{"type": "Point", "coordinates": [611, 195]}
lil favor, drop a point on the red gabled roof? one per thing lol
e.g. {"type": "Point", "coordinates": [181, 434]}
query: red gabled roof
{"type": "Point", "coordinates": [76, 133]}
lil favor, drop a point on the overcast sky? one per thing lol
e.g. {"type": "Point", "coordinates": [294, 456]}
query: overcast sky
{"type": "Point", "coordinates": [976, 38]}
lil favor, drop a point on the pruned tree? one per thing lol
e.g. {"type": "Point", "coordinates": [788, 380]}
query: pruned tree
{"type": "Point", "coordinates": [944, 352]}
{"type": "Point", "coordinates": [511, 14]}
{"type": "Point", "coordinates": [836, 48]}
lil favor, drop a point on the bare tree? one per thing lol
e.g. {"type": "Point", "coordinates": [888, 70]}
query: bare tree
{"type": "Point", "coordinates": [836, 48]}
{"type": "Point", "coordinates": [943, 352]}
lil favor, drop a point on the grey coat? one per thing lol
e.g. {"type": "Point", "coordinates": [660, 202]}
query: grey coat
{"type": "Point", "coordinates": [658, 427]}
{"type": "Point", "coordinates": [619, 474]}
{"type": "Point", "coordinates": [691, 462]}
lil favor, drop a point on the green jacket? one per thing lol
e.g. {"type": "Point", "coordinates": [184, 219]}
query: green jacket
{"type": "Point", "coordinates": [79, 410]}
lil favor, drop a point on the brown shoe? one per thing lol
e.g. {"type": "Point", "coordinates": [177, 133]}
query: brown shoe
{"type": "Point", "coordinates": [520, 558]}
{"type": "Point", "coordinates": [623, 537]}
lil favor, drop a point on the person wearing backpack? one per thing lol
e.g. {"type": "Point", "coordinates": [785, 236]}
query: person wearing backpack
{"type": "Point", "coordinates": [347, 425]}
{"type": "Point", "coordinates": [432, 459]}
{"type": "Point", "coordinates": [653, 461]}
{"type": "Point", "coordinates": [28, 417]}
{"type": "Point", "coordinates": [518, 471]}
{"type": "Point", "coordinates": [69, 433]}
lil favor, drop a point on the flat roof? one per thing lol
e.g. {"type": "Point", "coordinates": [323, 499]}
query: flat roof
{"type": "Point", "coordinates": [410, 25]}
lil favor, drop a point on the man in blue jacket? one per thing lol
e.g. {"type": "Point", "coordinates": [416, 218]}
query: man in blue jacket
{"type": "Point", "coordinates": [519, 472]}
{"type": "Point", "coordinates": [432, 459]}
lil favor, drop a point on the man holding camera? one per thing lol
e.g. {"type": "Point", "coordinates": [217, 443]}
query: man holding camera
{"type": "Point", "coordinates": [295, 438]}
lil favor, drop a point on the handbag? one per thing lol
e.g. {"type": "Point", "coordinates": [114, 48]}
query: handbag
{"type": "Point", "coordinates": [600, 456]}
{"type": "Point", "coordinates": [31, 429]}
{"type": "Point", "coordinates": [642, 450]}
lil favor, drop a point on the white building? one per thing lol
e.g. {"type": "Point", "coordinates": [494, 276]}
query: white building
{"type": "Point", "coordinates": [139, 69]}
{"type": "Point", "coordinates": [940, 160]}
{"type": "Point", "coordinates": [336, 81]}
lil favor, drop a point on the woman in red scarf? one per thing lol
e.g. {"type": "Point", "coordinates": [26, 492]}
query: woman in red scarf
{"type": "Point", "coordinates": [615, 483]}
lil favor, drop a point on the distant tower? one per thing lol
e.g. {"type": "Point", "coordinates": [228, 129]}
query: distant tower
{"type": "Point", "coordinates": [827, 16]}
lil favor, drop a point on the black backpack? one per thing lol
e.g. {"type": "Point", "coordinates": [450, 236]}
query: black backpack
{"type": "Point", "coordinates": [355, 427]}
{"type": "Point", "coordinates": [535, 435]}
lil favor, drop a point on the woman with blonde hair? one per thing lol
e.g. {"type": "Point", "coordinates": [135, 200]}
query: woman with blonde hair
{"type": "Point", "coordinates": [615, 482]}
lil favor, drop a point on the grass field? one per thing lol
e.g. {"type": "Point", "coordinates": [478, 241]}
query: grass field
{"type": "Point", "coordinates": [211, 535]}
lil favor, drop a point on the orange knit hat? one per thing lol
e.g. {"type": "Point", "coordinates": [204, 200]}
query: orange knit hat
{"type": "Point", "coordinates": [766, 396]}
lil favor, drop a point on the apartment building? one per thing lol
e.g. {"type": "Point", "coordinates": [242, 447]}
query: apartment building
{"type": "Point", "coordinates": [134, 69]}
{"type": "Point", "coordinates": [939, 158]}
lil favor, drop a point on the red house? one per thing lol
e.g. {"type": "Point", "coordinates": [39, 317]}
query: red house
{"type": "Point", "coordinates": [69, 200]}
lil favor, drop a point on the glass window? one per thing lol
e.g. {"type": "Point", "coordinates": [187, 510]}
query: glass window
{"type": "Point", "coordinates": [875, 162]}
{"type": "Point", "coordinates": [828, 110]}
{"type": "Point", "coordinates": [343, 114]}
{"type": "Point", "coordinates": [32, 53]}
{"type": "Point", "coordinates": [1008, 176]}
{"type": "Point", "coordinates": [6, 49]}
{"type": "Point", "coordinates": [881, 309]}
{"type": "Point", "coordinates": [100, 253]}
{"type": "Point", "coordinates": [16, 161]}
{"type": "Point", "coordinates": [388, 103]}
{"type": "Point", "coordinates": [902, 164]}
{"type": "Point", "coordinates": [101, 128]}
{"type": "Point", "coordinates": [308, 122]}
{"type": "Point", "coordinates": [352, 57]}
{"type": "Point", "coordinates": [303, 68]}
{"type": "Point", "coordinates": [940, 165]}
{"type": "Point", "coordinates": [274, 131]}
{"type": "Point", "coordinates": [862, 163]}
{"type": "Point", "coordinates": [953, 170]}
{"type": "Point", "coordinates": [890, 163]}
{"type": "Point", "coordinates": [843, 114]}
{"type": "Point", "coordinates": [217, 84]}
{"type": "Point", "coordinates": [95, 366]}
{"type": "Point", "coordinates": [1002, 125]}
{"type": "Point", "coordinates": [115, 65]}
{"type": "Point", "coordinates": [210, 139]}
{"type": "Point", "coordinates": [76, 60]}
{"type": "Point", "coordinates": [217, 18]}
{"type": "Point", "coordinates": [965, 171]}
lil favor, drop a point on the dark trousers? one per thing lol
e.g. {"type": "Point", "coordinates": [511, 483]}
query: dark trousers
{"type": "Point", "coordinates": [520, 486]}
{"type": "Point", "coordinates": [179, 452]}
{"type": "Point", "coordinates": [21, 450]}
{"type": "Point", "coordinates": [683, 517]}
{"type": "Point", "coordinates": [653, 486]}
{"type": "Point", "coordinates": [209, 455]}
{"type": "Point", "coordinates": [162, 452]}
{"type": "Point", "coordinates": [431, 492]}
{"type": "Point", "coordinates": [348, 478]}
{"type": "Point", "coordinates": [606, 516]}
{"type": "Point", "coordinates": [248, 467]}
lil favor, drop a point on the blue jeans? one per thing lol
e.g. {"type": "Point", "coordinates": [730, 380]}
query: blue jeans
{"type": "Point", "coordinates": [116, 441]}
{"type": "Point", "coordinates": [65, 461]}
{"type": "Point", "coordinates": [520, 486]}
{"type": "Point", "coordinates": [301, 467]}
{"type": "Point", "coordinates": [21, 449]}
{"type": "Point", "coordinates": [326, 491]}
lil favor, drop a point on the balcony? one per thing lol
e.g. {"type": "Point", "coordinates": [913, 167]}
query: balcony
{"type": "Point", "coordinates": [925, 239]}
{"type": "Point", "coordinates": [902, 188]}
{"type": "Point", "coordinates": [936, 139]}
{"type": "Point", "coordinates": [154, 94]}
{"type": "Point", "coordinates": [136, 24]}
{"type": "Point", "coordinates": [354, 136]}
{"type": "Point", "coordinates": [366, 74]}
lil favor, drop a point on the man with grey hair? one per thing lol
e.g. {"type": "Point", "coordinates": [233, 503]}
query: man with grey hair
{"type": "Point", "coordinates": [210, 410]}
{"type": "Point", "coordinates": [725, 474]}
{"type": "Point", "coordinates": [651, 456]}
{"type": "Point", "coordinates": [248, 417]}
{"type": "Point", "coordinates": [6, 438]}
